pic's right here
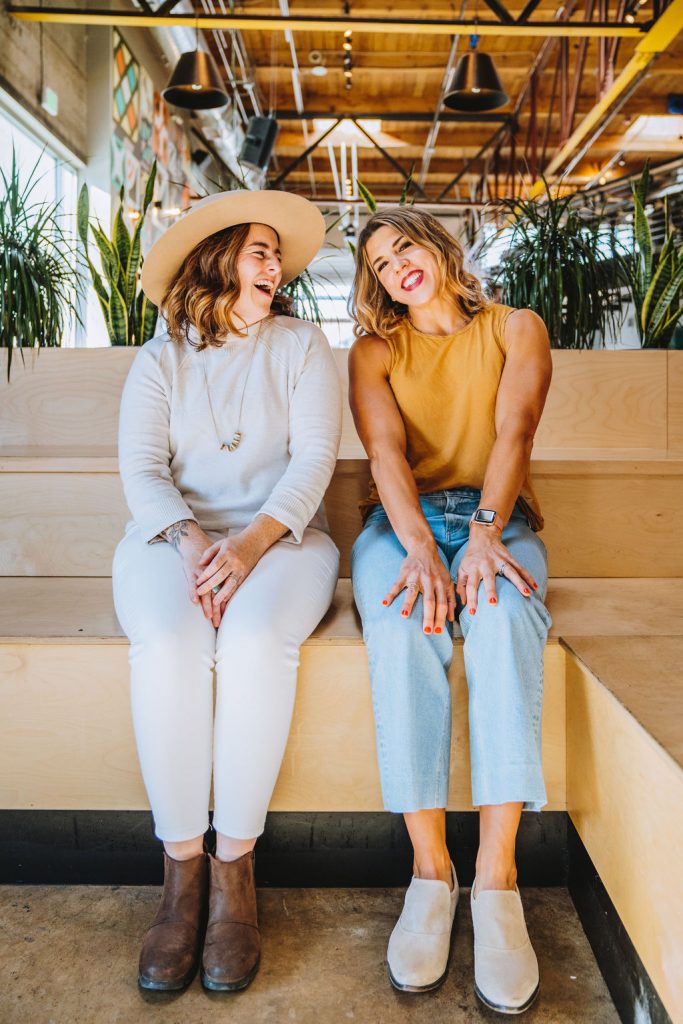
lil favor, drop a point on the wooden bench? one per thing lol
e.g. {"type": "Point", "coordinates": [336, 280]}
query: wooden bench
{"type": "Point", "coordinates": [608, 467]}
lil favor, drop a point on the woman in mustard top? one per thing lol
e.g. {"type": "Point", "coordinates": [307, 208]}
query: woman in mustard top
{"type": "Point", "coordinates": [447, 390]}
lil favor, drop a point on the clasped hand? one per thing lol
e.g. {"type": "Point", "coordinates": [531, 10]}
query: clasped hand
{"type": "Point", "coordinates": [225, 564]}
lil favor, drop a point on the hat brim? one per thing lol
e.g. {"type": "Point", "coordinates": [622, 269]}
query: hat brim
{"type": "Point", "coordinates": [299, 224]}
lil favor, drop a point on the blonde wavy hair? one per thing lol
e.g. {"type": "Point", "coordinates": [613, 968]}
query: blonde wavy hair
{"type": "Point", "coordinates": [205, 289]}
{"type": "Point", "coordinates": [371, 306]}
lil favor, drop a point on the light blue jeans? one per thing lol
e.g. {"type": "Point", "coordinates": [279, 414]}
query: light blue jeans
{"type": "Point", "coordinates": [409, 669]}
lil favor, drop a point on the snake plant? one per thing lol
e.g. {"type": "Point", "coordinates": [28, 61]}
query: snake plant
{"type": "Point", "coordinates": [555, 265]}
{"type": "Point", "coordinates": [129, 315]}
{"type": "Point", "coordinates": [654, 280]}
{"type": "Point", "coordinates": [39, 266]}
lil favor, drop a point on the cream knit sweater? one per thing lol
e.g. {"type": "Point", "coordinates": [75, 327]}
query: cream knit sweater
{"type": "Point", "coordinates": [170, 460]}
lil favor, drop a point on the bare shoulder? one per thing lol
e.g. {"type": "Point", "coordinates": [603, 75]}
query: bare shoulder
{"type": "Point", "coordinates": [369, 354]}
{"type": "Point", "coordinates": [525, 325]}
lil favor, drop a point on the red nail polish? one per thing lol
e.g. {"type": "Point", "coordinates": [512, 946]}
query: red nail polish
{"type": "Point", "coordinates": [438, 629]}
{"type": "Point", "coordinates": [535, 586]}
{"type": "Point", "coordinates": [385, 602]}
{"type": "Point", "coordinates": [404, 613]}
{"type": "Point", "coordinates": [428, 629]}
{"type": "Point", "coordinates": [492, 600]}
{"type": "Point", "coordinates": [527, 593]}
{"type": "Point", "coordinates": [472, 611]}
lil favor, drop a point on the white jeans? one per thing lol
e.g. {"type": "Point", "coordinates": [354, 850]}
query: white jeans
{"type": "Point", "coordinates": [255, 653]}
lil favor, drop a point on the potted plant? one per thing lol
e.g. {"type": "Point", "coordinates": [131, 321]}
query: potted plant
{"type": "Point", "coordinates": [555, 265]}
{"type": "Point", "coordinates": [128, 313]}
{"type": "Point", "coordinates": [39, 270]}
{"type": "Point", "coordinates": [655, 280]}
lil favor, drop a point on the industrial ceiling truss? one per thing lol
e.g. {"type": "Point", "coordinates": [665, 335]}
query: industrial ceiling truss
{"type": "Point", "coordinates": [581, 76]}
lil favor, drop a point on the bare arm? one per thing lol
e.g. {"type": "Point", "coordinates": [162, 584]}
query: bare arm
{"type": "Point", "coordinates": [380, 428]}
{"type": "Point", "coordinates": [521, 396]}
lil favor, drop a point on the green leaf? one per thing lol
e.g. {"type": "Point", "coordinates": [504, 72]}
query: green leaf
{"type": "Point", "coordinates": [118, 318]}
{"type": "Point", "coordinates": [121, 238]}
{"type": "Point", "coordinates": [82, 214]}
{"type": "Point", "coordinates": [367, 196]}
{"type": "Point", "coordinates": [149, 189]}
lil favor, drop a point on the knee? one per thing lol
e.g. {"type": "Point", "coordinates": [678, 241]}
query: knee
{"type": "Point", "coordinates": [173, 642]}
{"type": "Point", "coordinates": [514, 615]}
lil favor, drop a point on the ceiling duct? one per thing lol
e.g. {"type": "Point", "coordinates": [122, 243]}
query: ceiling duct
{"type": "Point", "coordinates": [222, 129]}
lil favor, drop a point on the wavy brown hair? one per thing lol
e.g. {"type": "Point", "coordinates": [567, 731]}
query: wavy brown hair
{"type": "Point", "coordinates": [205, 289]}
{"type": "Point", "coordinates": [372, 308]}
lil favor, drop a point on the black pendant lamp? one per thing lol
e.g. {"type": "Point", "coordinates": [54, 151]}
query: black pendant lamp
{"type": "Point", "coordinates": [195, 83]}
{"type": "Point", "coordinates": [476, 85]}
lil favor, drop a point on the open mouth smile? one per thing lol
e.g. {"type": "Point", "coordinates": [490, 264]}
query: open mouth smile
{"type": "Point", "coordinates": [412, 280]}
{"type": "Point", "coordinates": [267, 287]}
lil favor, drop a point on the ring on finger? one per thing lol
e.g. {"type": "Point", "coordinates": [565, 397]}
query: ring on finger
{"type": "Point", "coordinates": [216, 588]}
{"type": "Point", "coordinates": [501, 569]}
{"type": "Point", "coordinates": [413, 586]}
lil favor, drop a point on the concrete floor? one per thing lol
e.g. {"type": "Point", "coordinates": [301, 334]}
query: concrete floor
{"type": "Point", "coordinates": [68, 955]}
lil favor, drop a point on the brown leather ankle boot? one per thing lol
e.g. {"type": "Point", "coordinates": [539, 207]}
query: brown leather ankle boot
{"type": "Point", "coordinates": [232, 947]}
{"type": "Point", "coordinates": [171, 947]}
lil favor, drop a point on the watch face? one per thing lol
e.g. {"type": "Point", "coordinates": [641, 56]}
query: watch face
{"type": "Point", "coordinates": [484, 515]}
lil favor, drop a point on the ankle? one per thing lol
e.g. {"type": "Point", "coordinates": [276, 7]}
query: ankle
{"type": "Point", "coordinates": [185, 850]}
{"type": "Point", "coordinates": [495, 876]}
{"type": "Point", "coordinates": [228, 849]}
{"type": "Point", "coordinates": [434, 868]}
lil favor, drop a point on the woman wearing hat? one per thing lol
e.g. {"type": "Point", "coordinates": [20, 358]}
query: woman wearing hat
{"type": "Point", "coordinates": [228, 437]}
{"type": "Point", "coordinates": [447, 390]}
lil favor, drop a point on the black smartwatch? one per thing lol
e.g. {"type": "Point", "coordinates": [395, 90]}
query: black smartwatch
{"type": "Point", "coordinates": [486, 516]}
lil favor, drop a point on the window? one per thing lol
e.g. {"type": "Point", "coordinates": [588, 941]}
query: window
{"type": "Point", "coordinates": [57, 171]}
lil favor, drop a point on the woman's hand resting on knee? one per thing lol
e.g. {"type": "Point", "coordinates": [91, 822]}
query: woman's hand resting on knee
{"type": "Point", "coordinates": [425, 572]}
{"type": "Point", "coordinates": [484, 556]}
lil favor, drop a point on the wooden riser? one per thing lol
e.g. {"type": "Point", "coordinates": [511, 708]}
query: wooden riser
{"type": "Point", "coordinates": [615, 399]}
{"type": "Point", "coordinates": [599, 521]}
{"type": "Point", "coordinates": [625, 795]}
{"type": "Point", "coordinates": [67, 738]}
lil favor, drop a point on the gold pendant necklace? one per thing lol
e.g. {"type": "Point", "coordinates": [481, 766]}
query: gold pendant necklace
{"type": "Point", "coordinates": [236, 439]}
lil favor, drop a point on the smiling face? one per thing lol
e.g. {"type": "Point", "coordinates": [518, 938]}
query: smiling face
{"type": "Point", "coordinates": [259, 270]}
{"type": "Point", "coordinates": [406, 270]}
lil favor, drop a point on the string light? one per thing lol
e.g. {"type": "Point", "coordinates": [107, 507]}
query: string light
{"type": "Point", "coordinates": [348, 65]}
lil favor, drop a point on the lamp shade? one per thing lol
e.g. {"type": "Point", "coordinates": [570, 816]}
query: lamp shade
{"type": "Point", "coordinates": [195, 83]}
{"type": "Point", "coordinates": [476, 85]}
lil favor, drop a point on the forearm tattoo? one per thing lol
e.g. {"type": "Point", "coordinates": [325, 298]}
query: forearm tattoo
{"type": "Point", "coordinates": [174, 534]}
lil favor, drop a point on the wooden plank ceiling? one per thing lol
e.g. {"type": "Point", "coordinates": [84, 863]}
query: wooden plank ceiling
{"type": "Point", "coordinates": [396, 77]}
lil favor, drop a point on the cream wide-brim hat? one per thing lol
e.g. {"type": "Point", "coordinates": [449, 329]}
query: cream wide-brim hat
{"type": "Point", "coordinates": [300, 226]}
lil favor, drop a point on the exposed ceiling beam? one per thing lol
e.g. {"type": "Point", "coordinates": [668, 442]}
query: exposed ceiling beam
{"type": "Point", "coordinates": [500, 11]}
{"type": "Point", "coordinates": [315, 23]}
{"type": "Point", "coordinates": [659, 38]}
{"type": "Point", "coordinates": [392, 115]}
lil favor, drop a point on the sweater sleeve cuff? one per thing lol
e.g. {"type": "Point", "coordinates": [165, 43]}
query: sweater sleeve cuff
{"type": "Point", "coordinates": [289, 513]}
{"type": "Point", "coordinates": [162, 515]}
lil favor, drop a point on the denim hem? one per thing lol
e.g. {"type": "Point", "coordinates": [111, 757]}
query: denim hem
{"type": "Point", "coordinates": [521, 784]}
{"type": "Point", "coordinates": [411, 806]}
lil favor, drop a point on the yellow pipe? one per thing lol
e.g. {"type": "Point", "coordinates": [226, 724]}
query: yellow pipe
{"type": "Point", "coordinates": [298, 23]}
{"type": "Point", "coordinates": [659, 38]}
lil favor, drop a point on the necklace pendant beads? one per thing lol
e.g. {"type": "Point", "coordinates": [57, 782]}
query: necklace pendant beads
{"type": "Point", "coordinates": [231, 445]}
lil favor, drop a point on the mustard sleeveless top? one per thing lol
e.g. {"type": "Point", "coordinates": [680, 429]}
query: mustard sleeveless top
{"type": "Point", "coordinates": [445, 388]}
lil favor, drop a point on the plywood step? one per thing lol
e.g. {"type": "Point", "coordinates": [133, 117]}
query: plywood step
{"type": "Point", "coordinates": [63, 510]}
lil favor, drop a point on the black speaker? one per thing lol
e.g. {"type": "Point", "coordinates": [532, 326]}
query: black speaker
{"type": "Point", "coordinates": [674, 103]}
{"type": "Point", "coordinates": [259, 141]}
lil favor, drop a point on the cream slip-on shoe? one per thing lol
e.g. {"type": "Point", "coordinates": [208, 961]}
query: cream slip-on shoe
{"type": "Point", "coordinates": [505, 965]}
{"type": "Point", "coordinates": [420, 942]}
